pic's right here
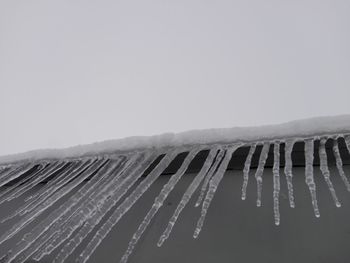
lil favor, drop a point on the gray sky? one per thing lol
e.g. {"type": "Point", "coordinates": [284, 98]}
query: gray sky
{"type": "Point", "coordinates": [75, 72]}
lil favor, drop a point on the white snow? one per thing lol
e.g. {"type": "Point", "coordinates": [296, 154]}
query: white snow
{"type": "Point", "coordinates": [295, 129]}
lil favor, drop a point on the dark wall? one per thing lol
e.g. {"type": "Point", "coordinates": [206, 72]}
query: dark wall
{"type": "Point", "coordinates": [235, 230]}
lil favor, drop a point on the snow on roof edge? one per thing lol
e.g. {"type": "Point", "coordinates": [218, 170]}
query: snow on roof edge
{"type": "Point", "coordinates": [298, 128]}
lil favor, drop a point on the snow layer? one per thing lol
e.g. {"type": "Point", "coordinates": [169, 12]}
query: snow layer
{"type": "Point", "coordinates": [330, 125]}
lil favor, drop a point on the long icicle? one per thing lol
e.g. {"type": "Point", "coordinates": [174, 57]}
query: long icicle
{"type": "Point", "coordinates": [347, 142]}
{"type": "Point", "coordinates": [43, 193]}
{"type": "Point", "coordinates": [15, 173]}
{"type": "Point", "coordinates": [246, 170]}
{"type": "Point", "coordinates": [276, 182]}
{"type": "Point", "coordinates": [40, 235]}
{"type": "Point", "coordinates": [260, 170]}
{"type": "Point", "coordinates": [5, 196]}
{"type": "Point", "coordinates": [54, 235]}
{"type": "Point", "coordinates": [339, 164]}
{"type": "Point", "coordinates": [209, 175]}
{"type": "Point", "coordinates": [309, 173]}
{"type": "Point", "coordinates": [33, 203]}
{"type": "Point", "coordinates": [61, 178]}
{"type": "Point", "coordinates": [188, 194]}
{"type": "Point", "coordinates": [27, 183]}
{"type": "Point", "coordinates": [325, 171]}
{"type": "Point", "coordinates": [94, 208]}
{"type": "Point", "coordinates": [288, 170]}
{"type": "Point", "coordinates": [213, 184]}
{"type": "Point", "coordinates": [48, 203]}
{"type": "Point", "coordinates": [126, 205]}
{"type": "Point", "coordinates": [12, 170]}
{"type": "Point", "coordinates": [71, 169]}
{"type": "Point", "coordinates": [39, 177]}
{"type": "Point", "coordinates": [4, 170]}
{"type": "Point", "coordinates": [158, 203]}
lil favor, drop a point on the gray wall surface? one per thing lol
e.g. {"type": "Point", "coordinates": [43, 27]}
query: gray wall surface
{"type": "Point", "coordinates": [234, 230]}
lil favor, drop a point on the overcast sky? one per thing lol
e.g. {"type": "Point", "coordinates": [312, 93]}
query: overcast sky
{"type": "Point", "coordinates": [75, 72]}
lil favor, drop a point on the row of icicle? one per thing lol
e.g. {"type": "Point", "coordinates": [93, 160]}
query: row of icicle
{"type": "Point", "coordinates": [103, 181]}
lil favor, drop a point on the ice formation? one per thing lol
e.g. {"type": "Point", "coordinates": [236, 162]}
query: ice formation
{"type": "Point", "coordinates": [89, 181]}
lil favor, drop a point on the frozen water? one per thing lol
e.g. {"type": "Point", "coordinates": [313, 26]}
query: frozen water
{"type": "Point", "coordinates": [260, 170]}
{"type": "Point", "coordinates": [325, 170]}
{"type": "Point", "coordinates": [188, 194]}
{"type": "Point", "coordinates": [339, 164]}
{"type": "Point", "coordinates": [246, 171]}
{"type": "Point", "coordinates": [97, 176]}
{"type": "Point", "coordinates": [16, 187]}
{"type": "Point", "coordinates": [51, 224]}
{"type": "Point", "coordinates": [347, 142]}
{"type": "Point", "coordinates": [213, 185]}
{"type": "Point", "coordinates": [47, 203]}
{"type": "Point", "coordinates": [276, 182]}
{"type": "Point", "coordinates": [309, 173]}
{"type": "Point", "coordinates": [158, 202]}
{"type": "Point", "coordinates": [209, 175]}
{"type": "Point", "coordinates": [97, 206]}
{"type": "Point", "coordinates": [126, 205]}
{"type": "Point", "coordinates": [34, 179]}
{"type": "Point", "coordinates": [288, 170]}
{"type": "Point", "coordinates": [15, 173]}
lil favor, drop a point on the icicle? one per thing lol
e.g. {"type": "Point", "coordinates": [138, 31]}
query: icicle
{"type": "Point", "coordinates": [339, 164]}
{"type": "Point", "coordinates": [260, 170]}
{"type": "Point", "coordinates": [214, 183]}
{"type": "Point", "coordinates": [92, 205]}
{"type": "Point", "coordinates": [135, 165]}
{"type": "Point", "coordinates": [49, 228]}
{"type": "Point", "coordinates": [309, 173]}
{"type": "Point", "coordinates": [15, 173]}
{"type": "Point", "coordinates": [276, 182]}
{"type": "Point", "coordinates": [73, 173]}
{"type": "Point", "coordinates": [68, 169]}
{"type": "Point", "coordinates": [2, 168]}
{"type": "Point", "coordinates": [49, 188]}
{"type": "Point", "coordinates": [13, 188]}
{"type": "Point", "coordinates": [49, 202]}
{"type": "Point", "coordinates": [209, 175]}
{"type": "Point", "coordinates": [5, 171]}
{"type": "Point", "coordinates": [64, 177]}
{"type": "Point", "coordinates": [125, 206]}
{"type": "Point", "coordinates": [24, 185]}
{"type": "Point", "coordinates": [167, 188]}
{"type": "Point", "coordinates": [188, 194]}
{"type": "Point", "coordinates": [347, 142]}
{"type": "Point", "coordinates": [91, 208]}
{"type": "Point", "coordinates": [10, 170]}
{"type": "Point", "coordinates": [325, 171]}
{"type": "Point", "coordinates": [39, 177]}
{"type": "Point", "coordinates": [246, 171]}
{"type": "Point", "coordinates": [288, 170]}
